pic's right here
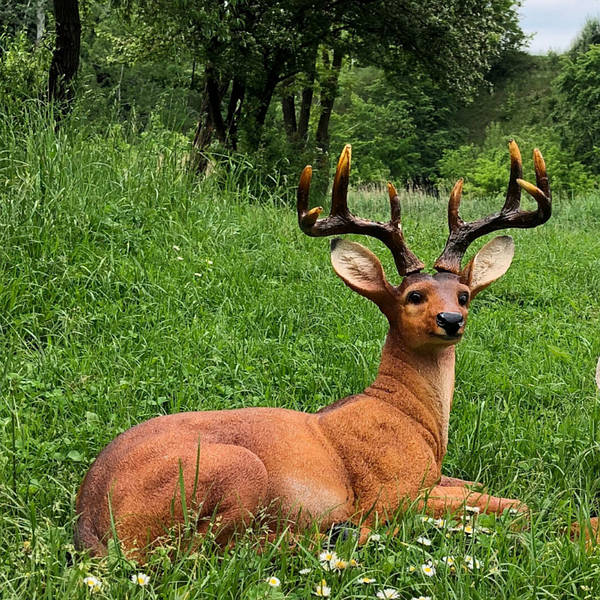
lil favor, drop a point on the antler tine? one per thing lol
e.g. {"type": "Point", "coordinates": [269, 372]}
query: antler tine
{"type": "Point", "coordinates": [341, 220]}
{"type": "Point", "coordinates": [463, 234]}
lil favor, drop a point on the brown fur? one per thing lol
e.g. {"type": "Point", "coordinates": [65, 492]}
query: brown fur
{"type": "Point", "coordinates": [358, 460]}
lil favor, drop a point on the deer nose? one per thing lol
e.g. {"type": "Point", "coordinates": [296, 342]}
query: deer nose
{"type": "Point", "coordinates": [450, 322]}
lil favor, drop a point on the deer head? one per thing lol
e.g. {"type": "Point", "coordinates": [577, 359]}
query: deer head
{"type": "Point", "coordinates": [426, 311]}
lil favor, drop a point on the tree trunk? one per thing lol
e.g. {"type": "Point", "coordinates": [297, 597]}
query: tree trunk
{"type": "Point", "coordinates": [214, 96]}
{"type": "Point", "coordinates": [234, 110]}
{"type": "Point", "coordinates": [329, 89]}
{"type": "Point", "coordinates": [306, 101]}
{"type": "Point", "coordinates": [65, 59]}
{"type": "Point", "coordinates": [40, 20]}
{"type": "Point", "coordinates": [288, 110]}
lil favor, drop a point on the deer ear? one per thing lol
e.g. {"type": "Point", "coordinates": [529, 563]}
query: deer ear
{"type": "Point", "coordinates": [361, 270]}
{"type": "Point", "coordinates": [489, 264]}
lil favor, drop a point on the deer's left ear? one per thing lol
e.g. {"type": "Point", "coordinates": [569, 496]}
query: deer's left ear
{"type": "Point", "coordinates": [489, 264]}
{"type": "Point", "coordinates": [361, 270]}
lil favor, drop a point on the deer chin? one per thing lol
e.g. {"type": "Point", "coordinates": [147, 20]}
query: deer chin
{"type": "Point", "coordinates": [443, 339]}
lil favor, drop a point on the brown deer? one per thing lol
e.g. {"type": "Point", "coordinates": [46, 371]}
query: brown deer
{"type": "Point", "coordinates": [358, 460]}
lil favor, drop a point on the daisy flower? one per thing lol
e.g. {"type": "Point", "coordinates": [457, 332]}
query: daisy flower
{"type": "Point", "coordinates": [322, 590]}
{"type": "Point", "coordinates": [388, 594]}
{"type": "Point", "coordinates": [424, 541]}
{"type": "Point", "coordinates": [366, 580]}
{"type": "Point", "coordinates": [428, 570]}
{"type": "Point", "coordinates": [327, 558]}
{"type": "Point", "coordinates": [374, 537]}
{"type": "Point", "coordinates": [412, 569]}
{"type": "Point", "coordinates": [305, 571]}
{"type": "Point", "coordinates": [353, 563]}
{"type": "Point", "coordinates": [449, 560]}
{"type": "Point", "coordinates": [471, 563]}
{"type": "Point", "coordinates": [140, 579]}
{"type": "Point", "coordinates": [339, 564]}
{"type": "Point", "coordinates": [93, 583]}
{"type": "Point", "coordinates": [473, 509]}
{"type": "Point", "coordinates": [421, 598]}
{"type": "Point", "coordinates": [274, 582]}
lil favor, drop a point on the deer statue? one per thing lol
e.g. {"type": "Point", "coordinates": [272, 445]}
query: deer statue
{"type": "Point", "coordinates": [356, 461]}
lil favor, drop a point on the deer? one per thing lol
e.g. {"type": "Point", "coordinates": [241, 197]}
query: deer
{"type": "Point", "coordinates": [357, 461]}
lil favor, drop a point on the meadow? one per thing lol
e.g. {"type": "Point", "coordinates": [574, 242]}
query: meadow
{"type": "Point", "coordinates": [129, 290]}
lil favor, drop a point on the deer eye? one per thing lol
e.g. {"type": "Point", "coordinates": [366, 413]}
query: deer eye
{"type": "Point", "coordinates": [415, 298]}
{"type": "Point", "coordinates": [463, 298]}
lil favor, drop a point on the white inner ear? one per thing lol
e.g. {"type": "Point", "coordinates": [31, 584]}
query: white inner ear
{"type": "Point", "coordinates": [357, 265]}
{"type": "Point", "coordinates": [492, 261]}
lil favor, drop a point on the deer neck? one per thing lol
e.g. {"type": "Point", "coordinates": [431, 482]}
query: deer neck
{"type": "Point", "coordinates": [420, 384]}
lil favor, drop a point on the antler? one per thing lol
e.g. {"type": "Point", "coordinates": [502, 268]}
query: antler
{"type": "Point", "coordinates": [463, 234]}
{"type": "Point", "coordinates": [341, 220]}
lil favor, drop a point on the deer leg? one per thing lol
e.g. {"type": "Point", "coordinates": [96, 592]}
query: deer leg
{"type": "Point", "coordinates": [449, 499]}
{"type": "Point", "coordinates": [224, 486]}
{"type": "Point", "coordinates": [446, 481]}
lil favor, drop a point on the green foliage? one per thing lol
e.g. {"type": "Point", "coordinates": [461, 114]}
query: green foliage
{"type": "Point", "coordinates": [588, 36]}
{"type": "Point", "coordinates": [485, 167]}
{"type": "Point", "coordinates": [23, 72]}
{"type": "Point", "coordinates": [578, 105]}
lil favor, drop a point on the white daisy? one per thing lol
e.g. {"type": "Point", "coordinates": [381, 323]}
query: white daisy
{"type": "Point", "coordinates": [305, 571]}
{"type": "Point", "coordinates": [339, 564]}
{"type": "Point", "coordinates": [421, 598]}
{"type": "Point", "coordinates": [374, 537]}
{"type": "Point", "coordinates": [388, 594]}
{"type": "Point", "coordinates": [471, 563]}
{"type": "Point", "coordinates": [322, 590]}
{"type": "Point", "coordinates": [93, 583]}
{"type": "Point", "coordinates": [366, 580]}
{"type": "Point", "coordinates": [449, 560]}
{"type": "Point", "coordinates": [428, 570]}
{"type": "Point", "coordinates": [274, 582]}
{"type": "Point", "coordinates": [424, 541]}
{"type": "Point", "coordinates": [140, 579]}
{"type": "Point", "coordinates": [473, 509]}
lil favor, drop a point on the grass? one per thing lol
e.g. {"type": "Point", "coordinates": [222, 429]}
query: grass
{"type": "Point", "coordinates": [127, 290]}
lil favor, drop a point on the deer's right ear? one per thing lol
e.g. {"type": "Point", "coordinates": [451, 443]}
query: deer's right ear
{"type": "Point", "coordinates": [489, 264]}
{"type": "Point", "coordinates": [361, 270]}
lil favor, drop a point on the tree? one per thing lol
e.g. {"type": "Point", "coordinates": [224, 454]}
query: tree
{"type": "Point", "coordinates": [65, 59]}
{"type": "Point", "coordinates": [578, 105]}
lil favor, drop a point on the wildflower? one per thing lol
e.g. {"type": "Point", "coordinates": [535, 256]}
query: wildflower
{"type": "Point", "coordinates": [473, 509]}
{"type": "Point", "coordinates": [93, 583]}
{"type": "Point", "coordinates": [366, 580]}
{"type": "Point", "coordinates": [305, 571]}
{"type": "Point", "coordinates": [471, 563]}
{"type": "Point", "coordinates": [468, 529]}
{"type": "Point", "coordinates": [412, 569]}
{"type": "Point", "coordinates": [197, 274]}
{"type": "Point", "coordinates": [322, 590]}
{"type": "Point", "coordinates": [274, 582]}
{"type": "Point", "coordinates": [209, 262]}
{"type": "Point", "coordinates": [388, 594]}
{"type": "Point", "coordinates": [339, 564]}
{"type": "Point", "coordinates": [421, 598]}
{"type": "Point", "coordinates": [328, 559]}
{"type": "Point", "coordinates": [176, 248]}
{"type": "Point", "coordinates": [423, 540]}
{"type": "Point", "coordinates": [180, 258]}
{"type": "Point", "coordinates": [375, 537]}
{"type": "Point", "coordinates": [140, 579]}
{"type": "Point", "coordinates": [428, 570]}
{"type": "Point", "coordinates": [439, 523]}
{"type": "Point", "coordinates": [327, 556]}
{"type": "Point", "coordinates": [27, 546]}
{"type": "Point", "coordinates": [353, 563]}
{"type": "Point", "coordinates": [449, 560]}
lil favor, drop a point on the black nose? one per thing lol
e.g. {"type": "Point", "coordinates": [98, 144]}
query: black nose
{"type": "Point", "coordinates": [450, 322]}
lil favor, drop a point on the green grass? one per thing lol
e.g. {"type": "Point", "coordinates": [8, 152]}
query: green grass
{"type": "Point", "coordinates": [128, 291]}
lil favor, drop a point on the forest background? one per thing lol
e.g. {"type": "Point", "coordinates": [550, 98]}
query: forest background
{"type": "Point", "coordinates": [425, 94]}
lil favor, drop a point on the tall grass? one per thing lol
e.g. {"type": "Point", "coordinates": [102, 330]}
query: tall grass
{"type": "Point", "coordinates": [128, 290]}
